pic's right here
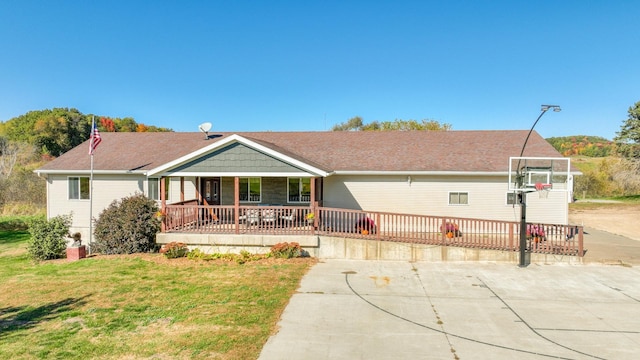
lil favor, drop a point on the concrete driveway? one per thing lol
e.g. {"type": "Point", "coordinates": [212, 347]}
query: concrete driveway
{"type": "Point", "coordinates": [351, 309]}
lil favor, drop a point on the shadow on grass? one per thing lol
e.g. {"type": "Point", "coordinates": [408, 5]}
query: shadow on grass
{"type": "Point", "coordinates": [12, 237]}
{"type": "Point", "coordinates": [25, 317]}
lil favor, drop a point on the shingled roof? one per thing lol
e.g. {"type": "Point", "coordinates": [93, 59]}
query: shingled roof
{"type": "Point", "coordinates": [334, 151]}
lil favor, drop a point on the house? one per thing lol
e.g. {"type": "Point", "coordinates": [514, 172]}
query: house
{"type": "Point", "coordinates": [445, 173]}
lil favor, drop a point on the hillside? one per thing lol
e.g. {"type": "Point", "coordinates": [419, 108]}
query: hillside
{"type": "Point", "coordinates": [592, 146]}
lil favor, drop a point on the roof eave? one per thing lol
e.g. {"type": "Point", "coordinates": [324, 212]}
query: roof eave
{"type": "Point", "coordinates": [418, 172]}
{"type": "Point", "coordinates": [89, 172]}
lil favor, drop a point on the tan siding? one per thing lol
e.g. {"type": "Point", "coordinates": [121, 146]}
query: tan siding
{"type": "Point", "coordinates": [106, 188]}
{"type": "Point", "coordinates": [430, 196]}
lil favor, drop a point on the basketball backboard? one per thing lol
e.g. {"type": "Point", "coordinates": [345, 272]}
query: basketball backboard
{"type": "Point", "coordinates": [527, 172]}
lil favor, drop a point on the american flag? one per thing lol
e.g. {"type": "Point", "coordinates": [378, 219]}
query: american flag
{"type": "Point", "coordinates": [95, 139]}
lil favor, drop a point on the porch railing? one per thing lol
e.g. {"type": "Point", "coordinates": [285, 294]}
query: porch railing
{"type": "Point", "coordinates": [222, 219]}
{"type": "Point", "coordinates": [418, 229]}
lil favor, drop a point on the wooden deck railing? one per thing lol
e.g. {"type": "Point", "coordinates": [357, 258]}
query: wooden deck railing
{"type": "Point", "coordinates": [419, 229]}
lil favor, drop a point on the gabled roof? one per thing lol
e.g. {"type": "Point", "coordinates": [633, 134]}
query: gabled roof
{"type": "Point", "coordinates": [329, 152]}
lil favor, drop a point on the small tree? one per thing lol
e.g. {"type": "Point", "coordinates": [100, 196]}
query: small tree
{"type": "Point", "coordinates": [48, 237]}
{"type": "Point", "coordinates": [127, 226]}
{"type": "Point", "coordinates": [628, 138]}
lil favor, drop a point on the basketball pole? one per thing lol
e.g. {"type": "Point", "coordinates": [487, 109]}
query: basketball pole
{"type": "Point", "coordinates": [523, 195]}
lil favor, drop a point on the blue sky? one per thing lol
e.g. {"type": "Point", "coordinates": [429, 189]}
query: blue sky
{"type": "Point", "coordinates": [308, 65]}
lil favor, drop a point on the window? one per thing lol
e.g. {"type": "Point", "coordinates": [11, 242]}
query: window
{"type": "Point", "coordinates": [250, 189]}
{"type": "Point", "coordinates": [458, 198]}
{"type": "Point", "coordinates": [299, 189]}
{"type": "Point", "coordinates": [153, 191]}
{"type": "Point", "coordinates": [512, 198]}
{"type": "Point", "coordinates": [79, 188]}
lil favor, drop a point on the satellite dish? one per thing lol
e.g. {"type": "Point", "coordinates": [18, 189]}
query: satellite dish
{"type": "Point", "coordinates": [205, 127]}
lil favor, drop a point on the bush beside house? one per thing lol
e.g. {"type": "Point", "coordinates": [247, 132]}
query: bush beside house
{"type": "Point", "coordinates": [48, 238]}
{"type": "Point", "coordinates": [127, 226]}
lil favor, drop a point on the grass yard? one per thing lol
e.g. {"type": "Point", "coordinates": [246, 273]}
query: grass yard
{"type": "Point", "coordinates": [138, 306]}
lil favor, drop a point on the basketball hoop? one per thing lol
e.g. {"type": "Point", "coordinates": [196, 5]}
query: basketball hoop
{"type": "Point", "coordinates": [543, 190]}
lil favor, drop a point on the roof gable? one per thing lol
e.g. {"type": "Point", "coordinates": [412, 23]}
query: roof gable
{"type": "Point", "coordinates": [236, 154]}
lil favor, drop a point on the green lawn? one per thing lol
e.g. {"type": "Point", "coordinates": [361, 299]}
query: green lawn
{"type": "Point", "coordinates": [138, 306]}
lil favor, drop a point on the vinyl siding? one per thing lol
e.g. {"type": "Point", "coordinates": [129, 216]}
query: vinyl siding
{"type": "Point", "coordinates": [430, 196]}
{"type": "Point", "coordinates": [106, 189]}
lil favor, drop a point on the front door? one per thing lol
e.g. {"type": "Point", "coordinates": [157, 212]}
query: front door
{"type": "Point", "coordinates": [210, 188]}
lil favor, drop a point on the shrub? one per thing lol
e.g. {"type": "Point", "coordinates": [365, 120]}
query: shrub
{"type": "Point", "coordinates": [286, 250]}
{"type": "Point", "coordinates": [127, 226]}
{"type": "Point", "coordinates": [48, 237]}
{"type": "Point", "coordinates": [241, 258]}
{"type": "Point", "coordinates": [174, 250]}
{"type": "Point", "coordinates": [197, 254]}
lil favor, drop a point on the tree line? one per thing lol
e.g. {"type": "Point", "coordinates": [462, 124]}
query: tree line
{"type": "Point", "coordinates": [56, 131]}
{"type": "Point", "coordinates": [28, 141]}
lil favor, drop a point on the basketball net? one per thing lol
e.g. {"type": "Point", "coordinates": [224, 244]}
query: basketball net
{"type": "Point", "coordinates": [543, 190]}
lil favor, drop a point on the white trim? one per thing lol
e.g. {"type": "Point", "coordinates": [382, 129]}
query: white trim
{"type": "Point", "coordinates": [458, 192]}
{"type": "Point", "coordinates": [229, 140]}
{"type": "Point", "coordinates": [148, 192]}
{"type": "Point", "coordinates": [299, 190]}
{"type": "Point", "coordinates": [82, 172]}
{"type": "Point", "coordinates": [432, 173]}
{"type": "Point", "coordinates": [249, 190]}
{"type": "Point", "coordinates": [79, 187]}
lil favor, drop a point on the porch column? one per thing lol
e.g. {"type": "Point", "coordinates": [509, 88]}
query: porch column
{"type": "Point", "coordinates": [181, 188]}
{"type": "Point", "coordinates": [163, 203]}
{"type": "Point", "coordinates": [236, 203]}
{"type": "Point", "coordinates": [312, 202]}
{"type": "Point", "coordinates": [198, 190]}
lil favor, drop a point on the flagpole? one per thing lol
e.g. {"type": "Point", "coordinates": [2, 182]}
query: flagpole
{"type": "Point", "coordinates": [92, 137]}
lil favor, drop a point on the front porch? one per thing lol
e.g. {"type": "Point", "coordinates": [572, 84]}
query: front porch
{"type": "Point", "coordinates": [337, 233]}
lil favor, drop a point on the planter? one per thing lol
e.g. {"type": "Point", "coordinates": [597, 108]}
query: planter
{"type": "Point", "coordinates": [76, 253]}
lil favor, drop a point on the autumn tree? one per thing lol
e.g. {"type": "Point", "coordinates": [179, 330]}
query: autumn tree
{"type": "Point", "coordinates": [107, 124]}
{"type": "Point", "coordinates": [356, 124]}
{"type": "Point", "coordinates": [628, 138]}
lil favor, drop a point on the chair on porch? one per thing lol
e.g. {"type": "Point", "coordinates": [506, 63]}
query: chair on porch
{"type": "Point", "coordinates": [289, 218]}
{"type": "Point", "coordinates": [268, 216]}
{"type": "Point", "coordinates": [250, 217]}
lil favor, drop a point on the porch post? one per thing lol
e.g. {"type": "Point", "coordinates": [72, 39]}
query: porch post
{"type": "Point", "coordinates": [198, 190]}
{"type": "Point", "coordinates": [163, 203]}
{"type": "Point", "coordinates": [312, 202]}
{"type": "Point", "coordinates": [236, 203]}
{"type": "Point", "coordinates": [181, 188]}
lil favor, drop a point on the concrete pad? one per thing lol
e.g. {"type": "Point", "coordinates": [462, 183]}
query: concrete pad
{"type": "Point", "coordinates": [366, 309]}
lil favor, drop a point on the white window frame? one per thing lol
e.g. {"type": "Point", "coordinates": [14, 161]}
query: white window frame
{"type": "Point", "coordinates": [154, 194]}
{"type": "Point", "coordinates": [459, 193]}
{"type": "Point", "coordinates": [300, 187]}
{"type": "Point", "coordinates": [79, 188]}
{"type": "Point", "coordinates": [249, 199]}
{"type": "Point", "coordinates": [511, 198]}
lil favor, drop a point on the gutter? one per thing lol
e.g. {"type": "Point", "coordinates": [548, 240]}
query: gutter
{"type": "Point", "coordinates": [101, 172]}
{"type": "Point", "coordinates": [432, 173]}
